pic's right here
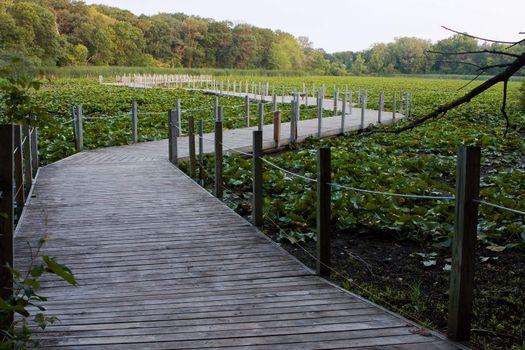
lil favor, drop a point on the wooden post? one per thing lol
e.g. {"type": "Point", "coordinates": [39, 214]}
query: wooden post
{"type": "Point", "coordinates": [319, 114]}
{"type": "Point", "coordinates": [257, 185]}
{"type": "Point", "coordinates": [277, 128]}
{"type": "Point", "coordinates": [35, 163]}
{"type": "Point", "coordinates": [178, 117]}
{"type": "Point", "coordinates": [134, 122]}
{"type": "Point", "coordinates": [362, 112]}
{"type": "Point", "coordinates": [350, 103]}
{"type": "Point", "coordinates": [407, 106]}
{"type": "Point", "coordinates": [74, 125]}
{"type": "Point", "coordinates": [293, 121]}
{"type": "Point", "coordinates": [274, 102]}
{"type": "Point", "coordinates": [19, 175]}
{"type": "Point", "coordinates": [191, 139]}
{"type": "Point", "coordinates": [216, 108]}
{"type": "Point", "coordinates": [343, 114]}
{"type": "Point", "coordinates": [282, 98]}
{"type": "Point", "coordinates": [218, 159]}
{"type": "Point", "coordinates": [394, 107]}
{"type": "Point", "coordinates": [80, 129]}
{"type": "Point", "coordinates": [26, 156]}
{"type": "Point", "coordinates": [381, 106]}
{"type": "Point", "coordinates": [7, 147]}
{"type": "Point", "coordinates": [464, 243]}
{"type": "Point", "coordinates": [173, 133]}
{"type": "Point", "coordinates": [201, 152]}
{"type": "Point", "coordinates": [306, 98]}
{"type": "Point", "coordinates": [323, 211]}
{"type": "Point", "coordinates": [260, 122]}
{"type": "Point", "coordinates": [336, 99]}
{"type": "Point", "coordinates": [247, 110]}
{"type": "Point", "coordinates": [401, 102]}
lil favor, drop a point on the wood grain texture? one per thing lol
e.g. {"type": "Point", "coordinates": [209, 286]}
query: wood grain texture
{"type": "Point", "coordinates": [162, 264]}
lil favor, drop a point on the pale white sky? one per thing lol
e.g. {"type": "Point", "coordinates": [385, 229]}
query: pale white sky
{"type": "Point", "coordinates": [341, 25]}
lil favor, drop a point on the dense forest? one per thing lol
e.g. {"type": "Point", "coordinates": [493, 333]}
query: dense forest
{"type": "Point", "coordinates": [65, 33]}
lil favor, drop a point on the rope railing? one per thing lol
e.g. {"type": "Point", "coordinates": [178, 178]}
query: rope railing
{"type": "Point", "coordinates": [515, 211]}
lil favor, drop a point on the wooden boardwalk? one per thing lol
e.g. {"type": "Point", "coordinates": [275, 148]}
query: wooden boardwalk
{"type": "Point", "coordinates": [161, 264]}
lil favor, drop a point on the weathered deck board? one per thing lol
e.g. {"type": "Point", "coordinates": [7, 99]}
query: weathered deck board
{"type": "Point", "coordinates": [161, 264]}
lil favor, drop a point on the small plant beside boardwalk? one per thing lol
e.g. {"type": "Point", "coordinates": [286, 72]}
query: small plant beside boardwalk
{"type": "Point", "coordinates": [26, 303]}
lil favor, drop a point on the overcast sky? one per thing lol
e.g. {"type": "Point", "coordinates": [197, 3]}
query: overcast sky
{"type": "Point", "coordinates": [341, 25]}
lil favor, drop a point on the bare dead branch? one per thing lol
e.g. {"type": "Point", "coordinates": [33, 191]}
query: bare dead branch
{"type": "Point", "coordinates": [503, 76]}
{"type": "Point", "coordinates": [495, 52]}
{"type": "Point", "coordinates": [463, 62]}
{"type": "Point", "coordinates": [479, 38]}
{"type": "Point", "coordinates": [501, 65]}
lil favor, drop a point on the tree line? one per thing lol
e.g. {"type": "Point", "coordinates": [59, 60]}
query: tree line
{"type": "Point", "coordinates": [69, 32]}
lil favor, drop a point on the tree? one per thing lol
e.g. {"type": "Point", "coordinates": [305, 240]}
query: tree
{"type": "Point", "coordinates": [193, 30]}
{"type": "Point", "coordinates": [410, 54]}
{"type": "Point", "coordinates": [130, 43]}
{"type": "Point", "coordinates": [462, 63]}
{"type": "Point", "coordinates": [35, 31]}
{"type": "Point", "coordinates": [378, 63]}
{"type": "Point", "coordinates": [286, 53]}
{"type": "Point", "coordinates": [359, 66]}
{"type": "Point", "coordinates": [316, 62]}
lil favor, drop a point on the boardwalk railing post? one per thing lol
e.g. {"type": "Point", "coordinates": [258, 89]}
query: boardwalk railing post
{"type": "Point", "coordinates": [343, 114]}
{"type": "Point", "coordinates": [293, 121]}
{"type": "Point", "coordinates": [26, 155]}
{"type": "Point", "coordinates": [363, 102]}
{"type": "Point", "coordinates": [274, 102]}
{"type": "Point", "coordinates": [257, 205]}
{"type": "Point", "coordinates": [381, 106]}
{"type": "Point", "coordinates": [323, 211]}
{"type": "Point", "coordinates": [260, 120]}
{"type": "Point", "coordinates": [464, 243]}
{"type": "Point", "coordinates": [172, 137]}
{"type": "Point", "coordinates": [201, 152]}
{"type": "Point", "coordinates": [350, 103]}
{"type": "Point", "coordinates": [247, 109]}
{"type": "Point", "coordinates": [216, 108]}
{"type": "Point", "coordinates": [134, 122]}
{"type": "Point", "coordinates": [319, 113]}
{"type": "Point", "coordinates": [35, 163]}
{"type": "Point", "coordinates": [407, 105]}
{"type": "Point", "coordinates": [218, 159]}
{"type": "Point", "coordinates": [7, 148]}
{"type": "Point", "coordinates": [336, 99]}
{"type": "Point", "coordinates": [394, 107]}
{"type": "Point", "coordinates": [277, 128]}
{"type": "Point", "coordinates": [80, 128]}
{"type": "Point", "coordinates": [74, 122]}
{"type": "Point", "coordinates": [191, 140]}
{"type": "Point", "coordinates": [19, 175]}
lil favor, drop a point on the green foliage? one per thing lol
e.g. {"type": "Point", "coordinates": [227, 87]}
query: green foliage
{"type": "Point", "coordinates": [418, 162]}
{"type": "Point", "coordinates": [26, 298]}
{"type": "Point", "coordinates": [17, 105]}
